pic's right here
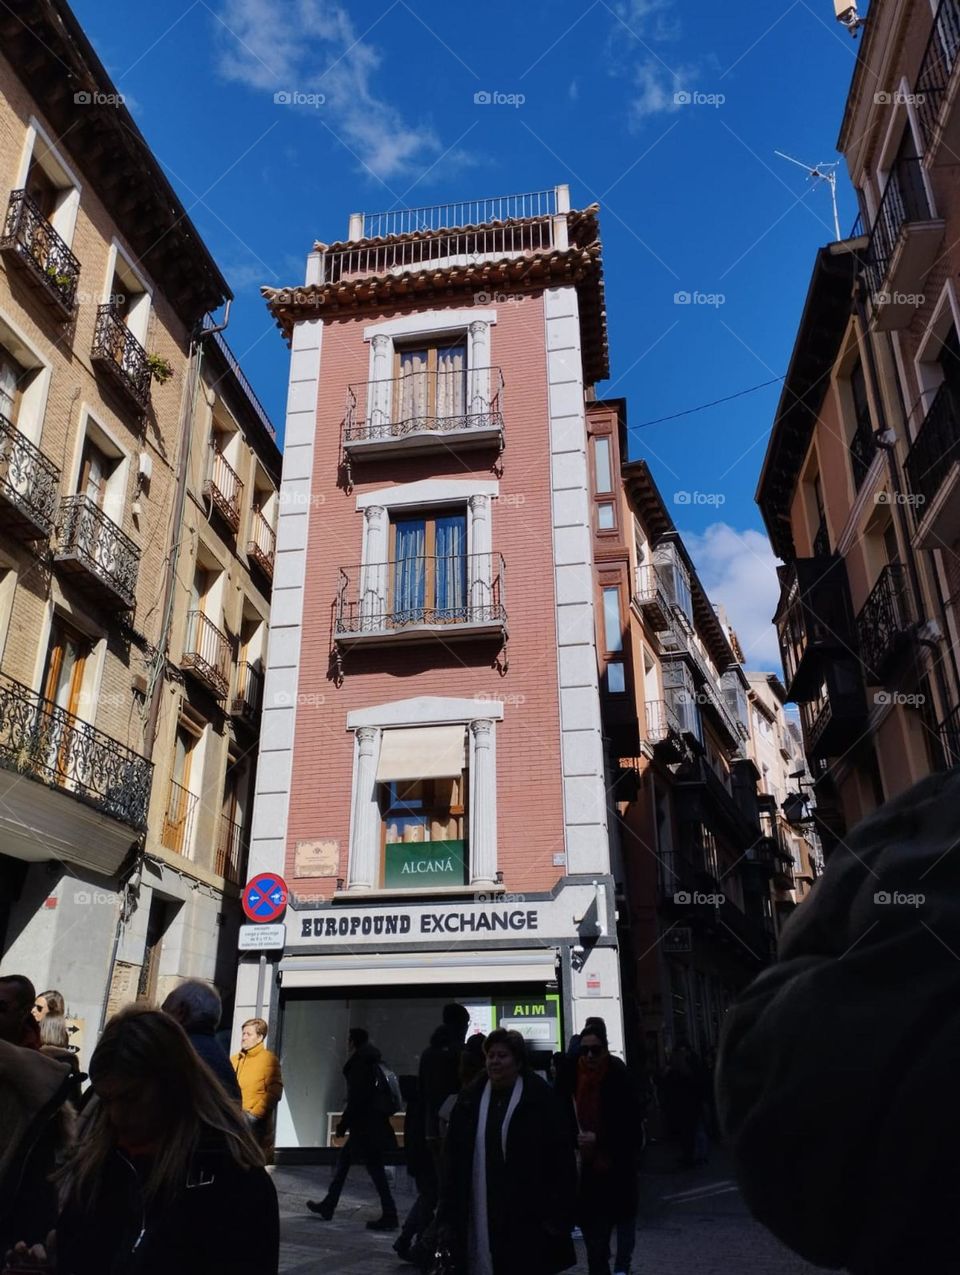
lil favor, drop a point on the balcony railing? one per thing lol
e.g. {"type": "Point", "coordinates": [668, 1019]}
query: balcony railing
{"type": "Point", "coordinates": [465, 248]}
{"type": "Point", "coordinates": [813, 620]}
{"type": "Point", "coordinates": [937, 67]}
{"type": "Point", "coordinates": [241, 379]}
{"type": "Point", "coordinates": [206, 654]}
{"type": "Point", "coordinates": [661, 721]}
{"type": "Point", "coordinates": [904, 243]}
{"type": "Point", "coordinates": [231, 850]}
{"type": "Point", "coordinates": [884, 623]}
{"type": "Point", "coordinates": [473, 212]}
{"type": "Point", "coordinates": [836, 718]}
{"type": "Point", "coordinates": [936, 448]}
{"type": "Point", "coordinates": [44, 742]}
{"type": "Point", "coordinates": [904, 200]}
{"type": "Point", "coordinates": [177, 834]}
{"type": "Point", "coordinates": [422, 595]}
{"type": "Point", "coordinates": [29, 237]}
{"type": "Point", "coordinates": [650, 597]}
{"type": "Point", "coordinates": [248, 696]}
{"type": "Point", "coordinates": [223, 488]}
{"type": "Point", "coordinates": [950, 738]}
{"type": "Point", "coordinates": [29, 485]}
{"type": "Point", "coordinates": [92, 545]}
{"type": "Point", "coordinates": [863, 448]}
{"type": "Point", "coordinates": [468, 402]}
{"type": "Point", "coordinates": [118, 351]}
{"type": "Point", "coordinates": [262, 545]}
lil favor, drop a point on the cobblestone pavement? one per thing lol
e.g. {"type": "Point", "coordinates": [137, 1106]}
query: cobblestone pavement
{"type": "Point", "coordinates": [692, 1222]}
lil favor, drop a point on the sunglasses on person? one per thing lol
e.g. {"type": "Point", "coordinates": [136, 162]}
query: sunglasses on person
{"type": "Point", "coordinates": [592, 1051]}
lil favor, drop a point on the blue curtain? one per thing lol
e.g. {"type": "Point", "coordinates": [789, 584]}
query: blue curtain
{"type": "Point", "coordinates": [409, 573]}
{"type": "Point", "coordinates": [452, 568]}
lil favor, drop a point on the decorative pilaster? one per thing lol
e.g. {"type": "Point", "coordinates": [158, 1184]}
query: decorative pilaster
{"type": "Point", "coordinates": [483, 805]}
{"type": "Point", "coordinates": [478, 365]}
{"type": "Point", "coordinates": [373, 600]}
{"type": "Point", "coordinates": [481, 557]}
{"type": "Point", "coordinates": [379, 390]}
{"type": "Point", "coordinates": [365, 824]}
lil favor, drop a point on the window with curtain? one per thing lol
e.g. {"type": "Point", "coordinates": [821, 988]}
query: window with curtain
{"type": "Point", "coordinates": [422, 784]}
{"type": "Point", "coordinates": [432, 383]}
{"type": "Point", "coordinates": [11, 375]}
{"type": "Point", "coordinates": [430, 569]}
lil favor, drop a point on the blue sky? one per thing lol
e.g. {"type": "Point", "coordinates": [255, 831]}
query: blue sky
{"type": "Point", "coordinates": [693, 199]}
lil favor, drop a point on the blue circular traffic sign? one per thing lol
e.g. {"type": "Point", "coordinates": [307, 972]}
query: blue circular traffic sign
{"type": "Point", "coordinates": [265, 897]}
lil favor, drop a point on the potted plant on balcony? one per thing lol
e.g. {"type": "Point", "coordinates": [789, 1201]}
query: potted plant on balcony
{"type": "Point", "coordinates": [54, 275]}
{"type": "Point", "coordinates": [160, 368]}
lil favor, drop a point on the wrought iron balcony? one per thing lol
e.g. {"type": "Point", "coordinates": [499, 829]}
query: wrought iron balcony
{"type": "Point", "coordinates": [904, 243]}
{"type": "Point", "coordinates": [44, 742]}
{"type": "Point", "coordinates": [950, 739]}
{"type": "Point", "coordinates": [931, 469]}
{"type": "Point", "coordinates": [231, 850]}
{"type": "Point", "coordinates": [425, 411]}
{"type": "Point", "coordinates": [29, 485]}
{"type": "Point", "coordinates": [422, 597]}
{"type": "Point", "coordinates": [206, 654]}
{"type": "Point", "coordinates": [223, 488]}
{"type": "Point", "coordinates": [122, 357]}
{"type": "Point", "coordinates": [30, 240]}
{"type": "Point", "coordinates": [936, 69]}
{"type": "Point", "coordinates": [177, 834]}
{"type": "Point", "coordinates": [836, 717]}
{"type": "Point", "coordinates": [813, 621]}
{"type": "Point", "coordinates": [248, 696]}
{"type": "Point", "coordinates": [885, 623]}
{"type": "Point", "coordinates": [649, 595]}
{"type": "Point", "coordinates": [91, 545]}
{"type": "Point", "coordinates": [714, 803]}
{"type": "Point", "coordinates": [262, 545]}
{"type": "Point", "coordinates": [661, 721]}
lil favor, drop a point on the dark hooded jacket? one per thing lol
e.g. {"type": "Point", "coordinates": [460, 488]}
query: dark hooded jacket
{"type": "Point", "coordinates": [838, 1068]}
{"type": "Point", "coordinates": [362, 1118]}
{"type": "Point", "coordinates": [541, 1180]}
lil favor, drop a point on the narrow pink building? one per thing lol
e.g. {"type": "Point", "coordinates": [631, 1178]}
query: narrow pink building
{"type": "Point", "coordinates": [431, 782]}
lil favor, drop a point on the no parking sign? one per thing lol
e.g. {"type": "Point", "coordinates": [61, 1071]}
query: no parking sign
{"type": "Point", "coordinates": [265, 897]}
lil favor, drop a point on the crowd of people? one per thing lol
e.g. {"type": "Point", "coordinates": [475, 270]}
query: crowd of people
{"type": "Point", "coordinates": [509, 1152]}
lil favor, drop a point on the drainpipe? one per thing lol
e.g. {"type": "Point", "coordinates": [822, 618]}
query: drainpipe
{"type": "Point", "coordinates": [898, 491]}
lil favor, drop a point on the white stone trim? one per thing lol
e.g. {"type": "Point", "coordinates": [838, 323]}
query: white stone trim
{"type": "Point", "coordinates": [64, 219]}
{"type": "Point", "coordinates": [33, 400]}
{"type": "Point", "coordinates": [282, 673]}
{"type": "Point", "coordinates": [428, 323]}
{"type": "Point", "coordinates": [425, 710]}
{"type": "Point", "coordinates": [429, 491]}
{"type": "Point", "coordinates": [138, 319]}
{"type": "Point", "coordinates": [581, 742]}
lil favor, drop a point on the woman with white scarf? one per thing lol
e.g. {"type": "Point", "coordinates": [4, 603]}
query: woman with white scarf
{"type": "Point", "coordinates": [509, 1171]}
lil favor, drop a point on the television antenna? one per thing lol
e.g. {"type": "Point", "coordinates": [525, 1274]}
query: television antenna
{"type": "Point", "coordinates": [821, 173]}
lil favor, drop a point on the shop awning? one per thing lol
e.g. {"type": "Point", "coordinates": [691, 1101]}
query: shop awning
{"type": "Point", "coordinates": [419, 969]}
{"type": "Point", "coordinates": [429, 752]}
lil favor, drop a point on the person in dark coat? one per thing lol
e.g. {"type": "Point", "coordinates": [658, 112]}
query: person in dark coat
{"type": "Point", "coordinates": [196, 1006]}
{"type": "Point", "coordinates": [682, 1095]}
{"type": "Point", "coordinates": [838, 1066]}
{"type": "Point", "coordinates": [509, 1171]}
{"type": "Point", "coordinates": [164, 1177]}
{"type": "Point", "coordinates": [610, 1134]}
{"type": "Point", "coordinates": [371, 1135]}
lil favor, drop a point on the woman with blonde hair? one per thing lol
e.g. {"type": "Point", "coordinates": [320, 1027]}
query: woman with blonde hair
{"type": "Point", "coordinates": [166, 1177]}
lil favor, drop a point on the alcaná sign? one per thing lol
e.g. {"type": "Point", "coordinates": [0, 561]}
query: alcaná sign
{"type": "Point", "coordinates": [417, 863]}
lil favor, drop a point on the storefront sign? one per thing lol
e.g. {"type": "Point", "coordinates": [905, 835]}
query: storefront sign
{"type": "Point", "coordinates": [407, 925]}
{"type": "Point", "coordinates": [415, 864]}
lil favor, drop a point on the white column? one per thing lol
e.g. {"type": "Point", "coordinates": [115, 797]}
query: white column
{"type": "Point", "coordinates": [373, 599]}
{"type": "Point", "coordinates": [481, 556]}
{"type": "Point", "coordinates": [365, 822]}
{"type": "Point", "coordinates": [378, 391]}
{"type": "Point", "coordinates": [483, 804]}
{"type": "Point", "coordinates": [478, 368]}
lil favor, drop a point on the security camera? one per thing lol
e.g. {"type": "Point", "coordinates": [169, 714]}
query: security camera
{"type": "Point", "coordinates": [848, 15]}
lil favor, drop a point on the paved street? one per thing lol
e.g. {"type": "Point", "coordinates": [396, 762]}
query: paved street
{"type": "Point", "coordinates": [692, 1222]}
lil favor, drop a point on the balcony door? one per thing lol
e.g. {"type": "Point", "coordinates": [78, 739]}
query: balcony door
{"type": "Point", "coordinates": [429, 584]}
{"type": "Point", "coordinates": [432, 383]}
{"type": "Point", "coordinates": [178, 819]}
{"type": "Point", "coordinates": [67, 657]}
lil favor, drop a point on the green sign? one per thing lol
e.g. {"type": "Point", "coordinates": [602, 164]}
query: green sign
{"type": "Point", "coordinates": [411, 864]}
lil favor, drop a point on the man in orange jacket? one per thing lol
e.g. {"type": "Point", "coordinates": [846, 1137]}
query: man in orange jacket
{"type": "Point", "coordinates": [260, 1081]}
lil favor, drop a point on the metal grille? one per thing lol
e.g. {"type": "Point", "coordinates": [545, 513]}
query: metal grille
{"type": "Point", "coordinates": [207, 653]}
{"type": "Point", "coordinates": [904, 200]}
{"type": "Point", "coordinates": [88, 536]}
{"type": "Point", "coordinates": [224, 488]}
{"type": "Point", "coordinates": [935, 449]}
{"type": "Point", "coordinates": [473, 212]}
{"type": "Point", "coordinates": [29, 482]}
{"type": "Point", "coordinates": [370, 600]}
{"type": "Point", "coordinates": [887, 615]}
{"type": "Point", "coordinates": [28, 233]}
{"type": "Point", "coordinates": [937, 66]}
{"type": "Point", "coordinates": [118, 350]}
{"type": "Point", "coordinates": [467, 399]}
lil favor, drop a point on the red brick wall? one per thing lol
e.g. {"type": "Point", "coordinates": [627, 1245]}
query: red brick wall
{"type": "Point", "coordinates": [529, 808]}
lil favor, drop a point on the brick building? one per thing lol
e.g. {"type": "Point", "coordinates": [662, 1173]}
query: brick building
{"type": "Point", "coordinates": [431, 779]}
{"type": "Point", "coordinates": [108, 386]}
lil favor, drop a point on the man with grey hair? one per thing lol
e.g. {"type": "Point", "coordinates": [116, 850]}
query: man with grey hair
{"type": "Point", "coordinates": [195, 1005]}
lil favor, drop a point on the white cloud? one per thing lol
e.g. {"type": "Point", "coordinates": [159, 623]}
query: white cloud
{"type": "Point", "coordinates": [309, 47]}
{"type": "Point", "coordinates": [655, 76]}
{"type": "Point", "coordinates": [738, 570]}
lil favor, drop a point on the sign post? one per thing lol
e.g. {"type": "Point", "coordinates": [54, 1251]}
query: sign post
{"type": "Point", "coordinates": [264, 902]}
